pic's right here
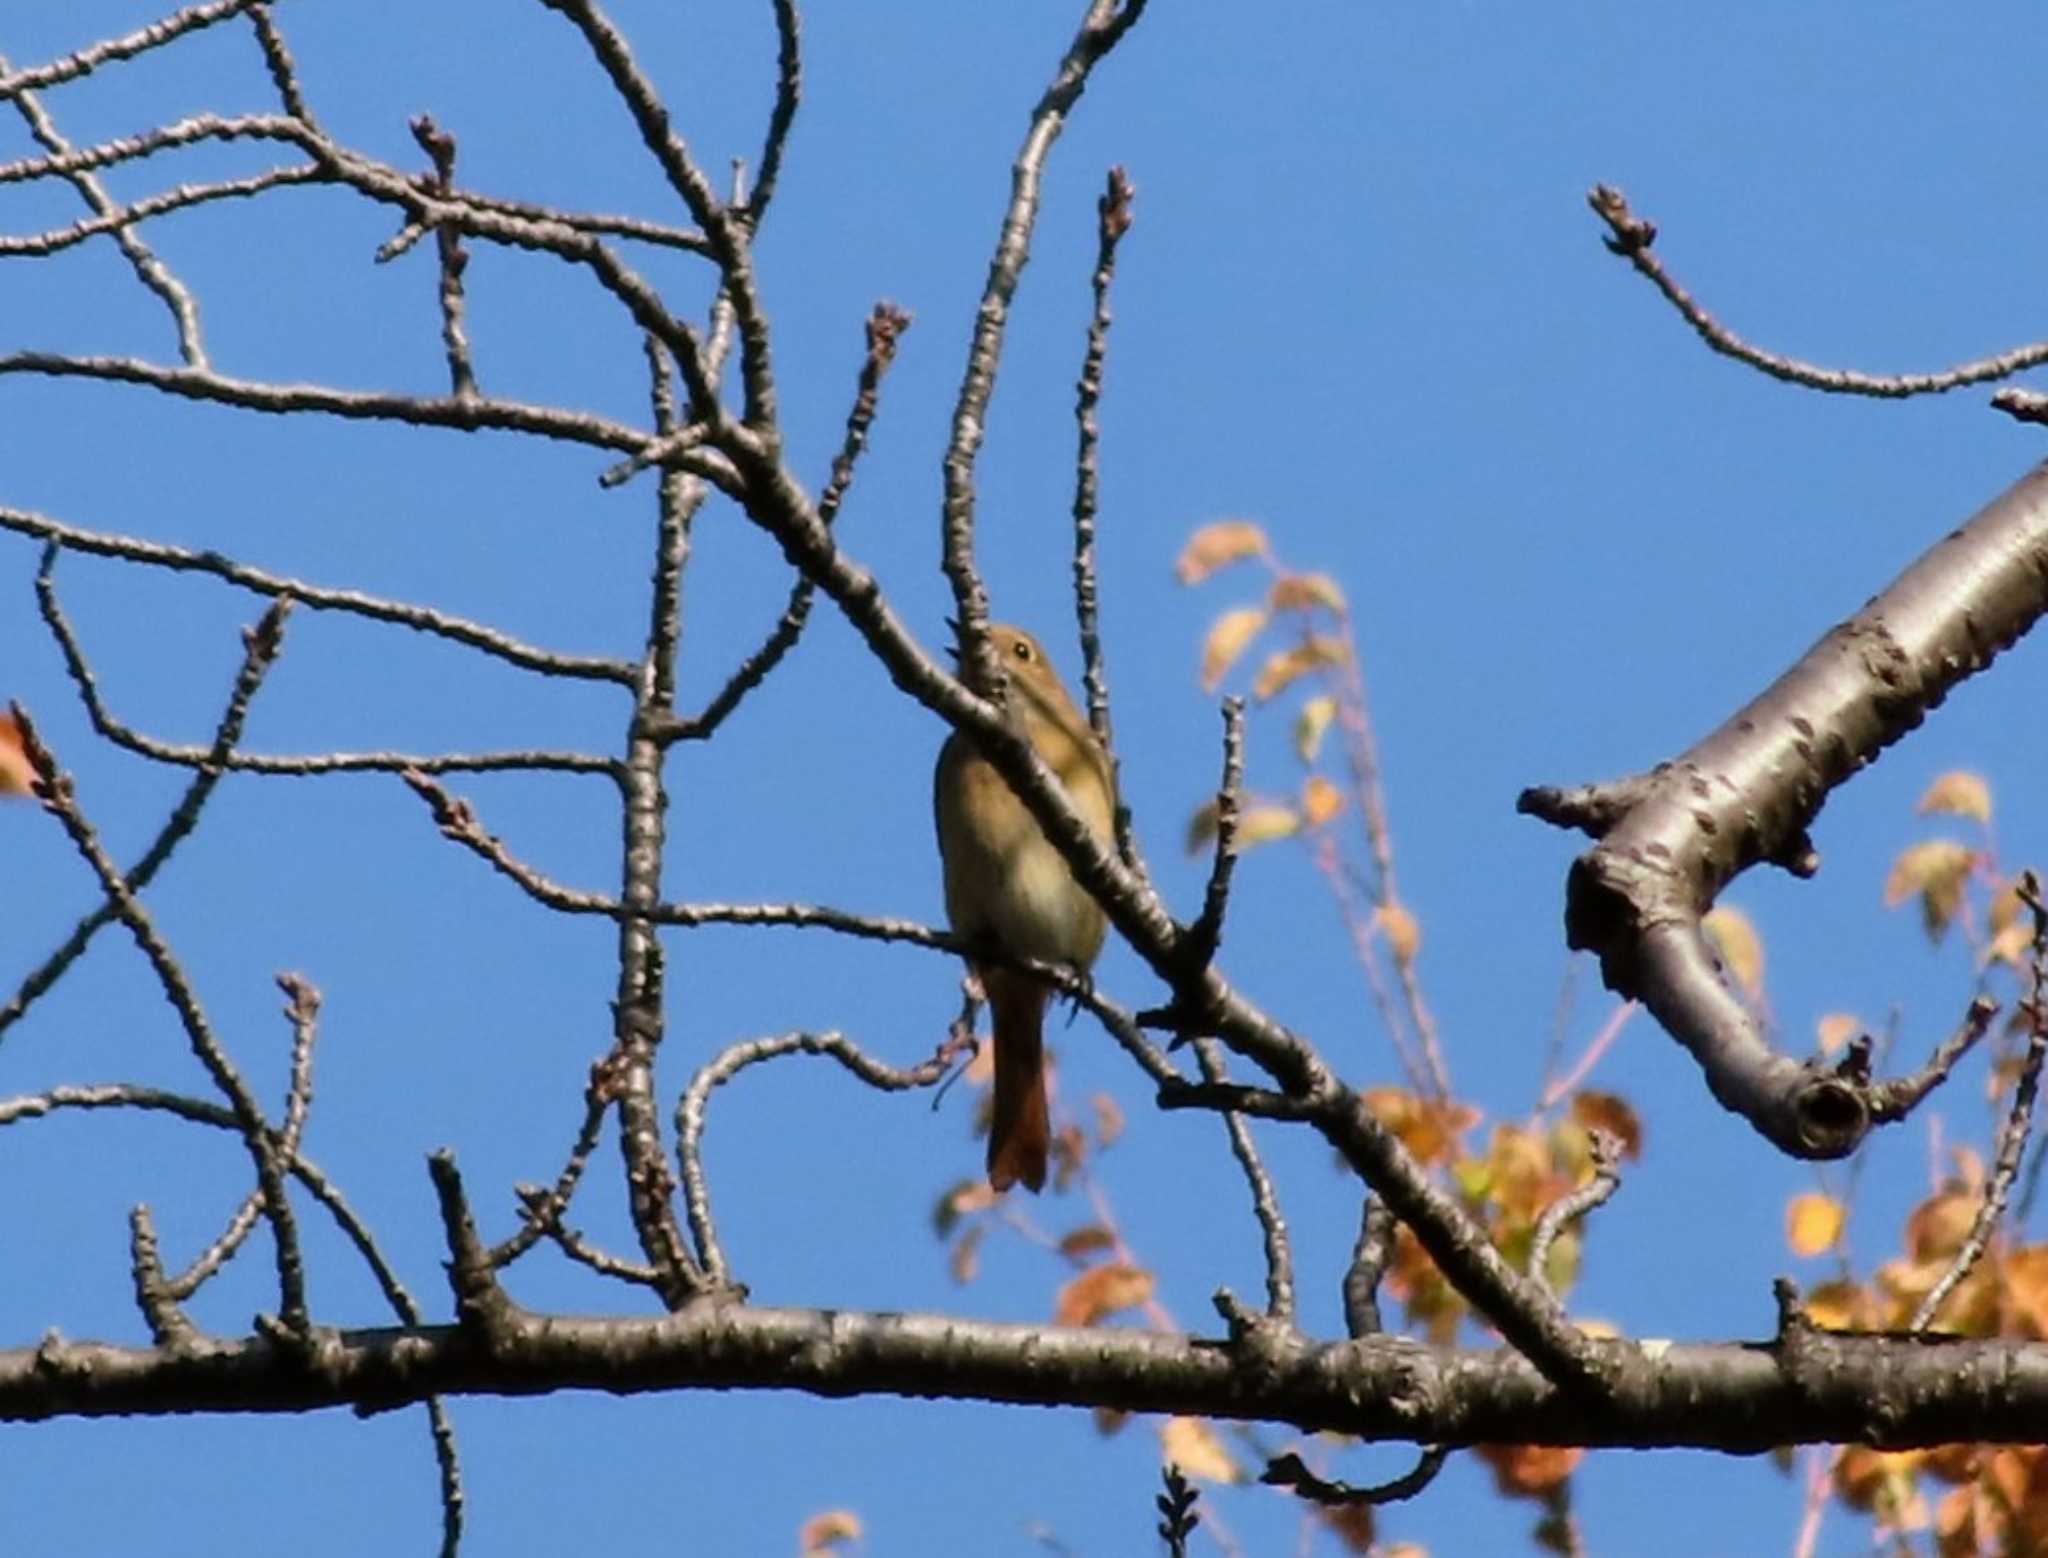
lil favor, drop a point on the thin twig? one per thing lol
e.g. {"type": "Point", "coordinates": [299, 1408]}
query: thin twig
{"type": "Point", "coordinates": [1113, 220]}
{"type": "Point", "coordinates": [1575, 1204]}
{"type": "Point", "coordinates": [55, 790]}
{"type": "Point", "coordinates": [439, 146]}
{"type": "Point", "coordinates": [2019, 1118]}
{"type": "Point", "coordinates": [1369, 1257]}
{"type": "Point", "coordinates": [1207, 932]}
{"type": "Point", "coordinates": [277, 60]}
{"type": "Point", "coordinates": [424, 619]}
{"type": "Point", "coordinates": [885, 327]}
{"type": "Point", "coordinates": [1630, 236]}
{"type": "Point", "coordinates": [1289, 1471]}
{"type": "Point", "coordinates": [180, 198]}
{"type": "Point", "coordinates": [303, 1013]}
{"type": "Point", "coordinates": [216, 757]}
{"type": "Point", "coordinates": [558, 1195]}
{"type": "Point", "coordinates": [735, 1058]}
{"type": "Point", "coordinates": [1101, 29]}
{"type": "Point", "coordinates": [1895, 1098]}
{"type": "Point", "coordinates": [1597, 1046]}
{"type": "Point", "coordinates": [725, 233]}
{"type": "Point", "coordinates": [149, 269]}
{"type": "Point", "coordinates": [168, 1325]}
{"type": "Point", "coordinates": [789, 83]}
{"type": "Point", "coordinates": [1265, 1203]}
{"type": "Point", "coordinates": [544, 1212]}
{"type": "Point", "coordinates": [260, 647]}
{"type": "Point", "coordinates": [127, 46]}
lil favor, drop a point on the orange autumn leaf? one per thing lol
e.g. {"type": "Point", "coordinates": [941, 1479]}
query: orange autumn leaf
{"type": "Point", "coordinates": [827, 1530]}
{"type": "Point", "coordinates": [1320, 800]}
{"type": "Point", "coordinates": [1101, 1291]}
{"type": "Point", "coordinates": [1217, 545]}
{"type": "Point", "coordinates": [1813, 1222]}
{"type": "Point", "coordinates": [1834, 1030]}
{"type": "Point", "coordinates": [17, 773]}
{"type": "Point", "coordinates": [1428, 1128]}
{"type": "Point", "coordinates": [1610, 1112]}
{"type": "Point", "coordinates": [2026, 1286]}
{"type": "Point", "coordinates": [1528, 1470]}
{"type": "Point", "coordinates": [1086, 1241]}
{"type": "Point", "coordinates": [1352, 1525]}
{"type": "Point", "coordinates": [967, 1196]}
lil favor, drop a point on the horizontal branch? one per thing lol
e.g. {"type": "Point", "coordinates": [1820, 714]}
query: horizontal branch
{"type": "Point", "coordinates": [127, 46]}
{"type": "Point", "coordinates": [469, 416]}
{"type": "Point", "coordinates": [425, 619]}
{"type": "Point", "coordinates": [1730, 1396]}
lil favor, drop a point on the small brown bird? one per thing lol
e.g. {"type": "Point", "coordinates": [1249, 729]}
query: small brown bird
{"type": "Point", "coordinates": [1008, 887]}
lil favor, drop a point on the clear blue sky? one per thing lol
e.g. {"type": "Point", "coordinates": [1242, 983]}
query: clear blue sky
{"type": "Point", "coordinates": [1364, 303]}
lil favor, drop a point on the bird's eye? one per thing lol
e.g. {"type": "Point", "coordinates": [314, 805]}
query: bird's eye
{"type": "Point", "coordinates": [1022, 651]}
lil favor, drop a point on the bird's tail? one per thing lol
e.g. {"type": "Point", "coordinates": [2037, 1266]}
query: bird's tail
{"type": "Point", "coordinates": [1020, 1134]}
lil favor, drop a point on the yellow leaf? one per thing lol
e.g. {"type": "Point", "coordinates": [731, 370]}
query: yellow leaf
{"type": "Point", "coordinates": [1813, 1222]}
{"type": "Point", "coordinates": [1101, 1291]}
{"type": "Point", "coordinates": [2005, 905]}
{"type": "Point", "coordinates": [1226, 640]}
{"type": "Point", "coordinates": [1735, 938]}
{"type": "Point", "coordinates": [1840, 1306]}
{"type": "Point", "coordinates": [827, 1530]}
{"type": "Point", "coordinates": [1263, 824]}
{"type": "Point", "coordinates": [1216, 545]}
{"type": "Point", "coordinates": [2009, 946]}
{"type": "Point", "coordinates": [1834, 1030]}
{"type": "Point", "coordinates": [1202, 826]}
{"type": "Point", "coordinates": [1191, 1444]}
{"type": "Point", "coordinates": [1299, 591]}
{"type": "Point", "coordinates": [1937, 871]}
{"type": "Point", "coordinates": [1958, 793]}
{"type": "Point", "coordinates": [1403, 932]}
{"type": "Point", "coordinates": [1310, 724]}
{"type": "Point", "coordinates": [1287, 666]}
{"type": "Point", "coordinates": [1937, 1227]}
{"type": "Point", "coordinates": [1320, 800]}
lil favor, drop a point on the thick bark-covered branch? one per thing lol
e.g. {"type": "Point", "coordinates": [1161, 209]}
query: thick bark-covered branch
{"type": "Point", "coordinates": [1734, 1396]}
{"type": "Point", "coordinates": [1672, 839]}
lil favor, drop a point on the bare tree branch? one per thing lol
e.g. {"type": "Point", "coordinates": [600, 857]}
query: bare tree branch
{"type": "Point", "coordinates": [1670, 841]}
{"type": "Point", "coordinates": [1630, 237]}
